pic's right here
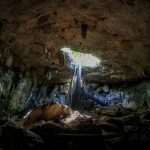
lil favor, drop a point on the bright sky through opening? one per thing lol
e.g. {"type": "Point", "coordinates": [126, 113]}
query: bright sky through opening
{"type": "Point", "coordinates": [85, 60]}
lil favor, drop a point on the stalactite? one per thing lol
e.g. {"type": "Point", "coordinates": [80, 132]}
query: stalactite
{"type": "Point", "coordinates": [49, 55]}
{"type": "Point", "coordinates": [84, 28]}
{"type": "Point", "coordinates": [45, 50]}
{"type": "Point", "coordinates": [9, 61]}
{"type": "Point", "coordinates": [49, 75]}
{"type": "Point", "coordinates": [62, 58]}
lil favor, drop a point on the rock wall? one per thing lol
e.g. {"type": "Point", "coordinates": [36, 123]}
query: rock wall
{"type": "Point", "coordinates": [22, 91]}
{"type": "Point", "coordinates": [136, 96]}
{"type": "Point", "coordinates": [22, 88]}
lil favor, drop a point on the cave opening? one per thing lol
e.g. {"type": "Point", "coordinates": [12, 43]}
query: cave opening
{"type": "Point", "coordinates": [76, 61]}
{"type": "Point", "coordinates": [81, 92]}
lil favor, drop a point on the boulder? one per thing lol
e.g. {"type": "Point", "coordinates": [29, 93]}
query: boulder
{"type": "Point", "coordinates": [15, 137]}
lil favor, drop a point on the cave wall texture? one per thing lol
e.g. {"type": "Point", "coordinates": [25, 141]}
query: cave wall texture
{"type": "Point", "coordinates": [116, 31]}
{"type": "Point", "coordinates": [20, 91]}
{"type": "Point", "coordinates": [33, 31]}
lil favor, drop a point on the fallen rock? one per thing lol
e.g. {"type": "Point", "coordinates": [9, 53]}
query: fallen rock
{"type": "Point", "coordinates": [89, 128]}
{"type": "Point", "coordinates": [146, 115]}
{"type": "Point", "coordinates": [116, 122]}
{"type": "Point", "coordinates": [76, 119]}
{"type": "Point", "coordinates": [130, 120]}
{"type": "Point", "coordinates": [47, 128]}
{"type": "Point", "coordinates": [108, 127]}
{"type": "Point", "coordinates": [114, 111]}
{"type": "Point", "coordinates": [115, 143]}
{"type": "Point", "coordinates": [14, 137]}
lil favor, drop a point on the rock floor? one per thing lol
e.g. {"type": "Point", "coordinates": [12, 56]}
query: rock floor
{"type": "Point", "coordinates": [110, 128]}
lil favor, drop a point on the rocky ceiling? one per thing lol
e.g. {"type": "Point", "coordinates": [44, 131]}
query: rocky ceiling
{"type": "Point", "coordinates": [117, 31]}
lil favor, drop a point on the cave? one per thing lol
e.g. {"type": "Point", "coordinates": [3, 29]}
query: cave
{"type": "Point", "coordinates": [74, 74]}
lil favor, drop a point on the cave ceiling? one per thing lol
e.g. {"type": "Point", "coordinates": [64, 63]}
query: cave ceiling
{"type": "Point", "coordinates": [116, 31]}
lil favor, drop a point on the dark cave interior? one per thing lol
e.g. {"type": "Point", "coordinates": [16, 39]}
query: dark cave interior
{"type": "Point", "coordinates": [74, 74]}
